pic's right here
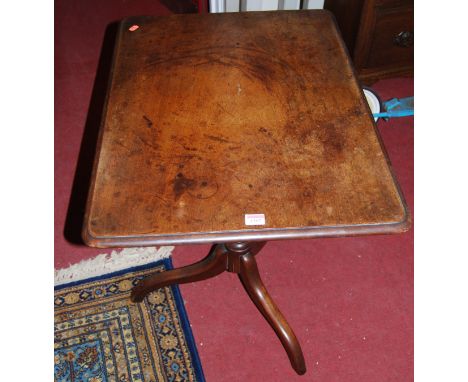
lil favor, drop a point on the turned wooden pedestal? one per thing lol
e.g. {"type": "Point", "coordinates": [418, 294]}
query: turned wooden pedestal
{"type": "Point", "coordinates": [238, 258]}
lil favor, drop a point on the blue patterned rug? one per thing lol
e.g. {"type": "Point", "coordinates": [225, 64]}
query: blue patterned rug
{"type": "Point", "coordinates": [101, 336]}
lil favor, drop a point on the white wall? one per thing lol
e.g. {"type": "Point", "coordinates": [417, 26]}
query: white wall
{"type": "Point", "coordinates": [313, 4]}
{"type": "Point", "coordinates": [261, 5]}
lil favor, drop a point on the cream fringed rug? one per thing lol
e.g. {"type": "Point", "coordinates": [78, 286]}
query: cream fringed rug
{"type": "Point", "coordinates": [111, 262]}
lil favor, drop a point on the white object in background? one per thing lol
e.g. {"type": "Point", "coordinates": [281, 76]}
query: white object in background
{"type": "Point", "coordinates": [373, 102]}
{"type": "Point", "coordinates": [259, 5]}
{"type": "Point", "coordinates": [217, 6]}
{"type": "Point", "coordinates": [289, 4]}
{"type": "Point", "coordinates": [313, 4]}
{"type": "Point", "coordinates": [232, 5]}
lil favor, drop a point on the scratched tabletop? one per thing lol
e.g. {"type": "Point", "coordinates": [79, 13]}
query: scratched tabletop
{"type": "Point", "coordinates": [214, 119]}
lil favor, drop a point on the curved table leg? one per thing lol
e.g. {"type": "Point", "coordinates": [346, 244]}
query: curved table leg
{"type": "Point", "coordinates": [253, 284]}
{"type": "Point", "coordinates": [239, 258]}
{"type": "Point", "coordinates": [212, 265]}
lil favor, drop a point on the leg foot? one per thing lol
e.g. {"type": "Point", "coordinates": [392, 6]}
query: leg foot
{"type": "Point", "coordinates": [212, 265]}
{"type": "Point", "coordinates": [254, 286]}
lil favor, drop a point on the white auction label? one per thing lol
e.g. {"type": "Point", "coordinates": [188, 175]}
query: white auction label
{"type": "Point", "coordinates": [254, 219]}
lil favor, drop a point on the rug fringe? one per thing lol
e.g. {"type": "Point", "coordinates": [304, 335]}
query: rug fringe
{"type": "Point", "coordinates": [108, 263]}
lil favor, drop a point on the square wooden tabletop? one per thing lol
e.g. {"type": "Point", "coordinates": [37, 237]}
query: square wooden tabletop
{"type": "Point", "coordinates": [237, 127]}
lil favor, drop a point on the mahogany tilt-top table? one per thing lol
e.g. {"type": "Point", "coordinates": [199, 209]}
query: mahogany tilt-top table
{"type": "Point", "coordinates": [235, 129]}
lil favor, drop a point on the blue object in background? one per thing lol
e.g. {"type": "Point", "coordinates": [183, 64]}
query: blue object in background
{"type": "Point", "coordinates": [395, 107]}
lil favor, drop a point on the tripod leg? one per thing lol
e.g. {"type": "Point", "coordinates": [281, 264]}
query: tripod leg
{"type": "Point", "coordinates": [253, 284]}
{"type": "Point", "coordinates": [212, 265]}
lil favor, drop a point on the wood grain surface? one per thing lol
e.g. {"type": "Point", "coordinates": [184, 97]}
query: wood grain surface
{"type": "Point", "coordinates": [211, 117]}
